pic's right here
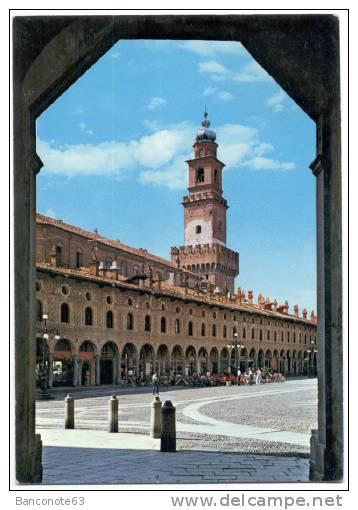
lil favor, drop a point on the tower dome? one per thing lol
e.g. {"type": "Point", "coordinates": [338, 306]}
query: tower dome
{"type": "Point", "coordinates": [204, 133]}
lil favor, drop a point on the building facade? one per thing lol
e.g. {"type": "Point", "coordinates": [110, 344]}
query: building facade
{"type": "Point", "coordinates": [105, 308]}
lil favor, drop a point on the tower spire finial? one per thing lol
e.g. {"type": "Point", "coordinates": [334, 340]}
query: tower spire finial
{"type": "Point", "coordinates": [205, 112]}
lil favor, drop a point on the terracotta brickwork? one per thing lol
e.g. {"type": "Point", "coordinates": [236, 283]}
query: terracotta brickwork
{"type": "Point", "coordinates": [204, 250]}
{"type": "Point", "coordinates": [103, 351]}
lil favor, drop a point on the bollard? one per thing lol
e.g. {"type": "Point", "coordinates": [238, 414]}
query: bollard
{"type": "Point", "coordinates": [156, 418]}
{"type": "Point", "coordinates": [69, 412]}
{"type": "Point", "coordinates": [168, 435]}
{"type": "Point", "coordinates": [113, 414]}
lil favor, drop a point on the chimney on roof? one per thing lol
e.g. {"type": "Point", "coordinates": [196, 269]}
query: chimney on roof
{"type": "Point", "coordinates": [95, 230]}
{"type": "Point", "coordinates": [275, 305]}
{"type": "Point", "coordinates": [239, 294]}
{"type": "Point", "coordinates": [304, 313]}
{"type": "Point", "coordinates": [250, 296]}
{"type": "Point", "coordinates": [295, 310]}
{"type": "Point", "coordinates": [313, 316]}
{"type": "Point", "coordinates": [261, 301]}
{"type": "Point", "coordinates": [243, 297]}
{"type": "Point", "coordinates": [286, 307]}
{"type": "Point", "coordinates": [93, 267]}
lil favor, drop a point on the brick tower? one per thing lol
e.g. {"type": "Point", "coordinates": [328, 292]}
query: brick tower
{"type": "Point", "coordinates": [204, 251]}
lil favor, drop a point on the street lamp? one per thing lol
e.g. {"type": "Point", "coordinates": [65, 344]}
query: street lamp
{"type": "Point", "coordinates": [310, 353]}
{"type": "Point", "coordinates": [44, 371]}
{"type": "Point", "coordinates": [236, 346]}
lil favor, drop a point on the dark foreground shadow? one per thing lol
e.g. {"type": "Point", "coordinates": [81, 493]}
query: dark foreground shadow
{"type": "Point", "coordinates": [102, 466]}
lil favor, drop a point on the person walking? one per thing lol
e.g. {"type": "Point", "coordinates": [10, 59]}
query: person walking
{"type": "Point", "coordinates": [258, 376]}
{"type": "Point", "coordinates": [155, 381]}
{"type": "Point", "coordinates": [238, 377]}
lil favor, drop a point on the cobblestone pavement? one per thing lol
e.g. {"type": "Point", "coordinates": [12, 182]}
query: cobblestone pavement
{"type": "Point", "coordinates": [277, 413]}
{"type": "Point", "coordinates": [212, 423]}
{"type": "Point", "coordinates": [70, 458]}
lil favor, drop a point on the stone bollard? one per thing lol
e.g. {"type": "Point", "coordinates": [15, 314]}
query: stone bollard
{"type": "Point", "coordinates": [113, 414]}
{"type": "Point", "coordinates": [69, 412]}
{"type": "Point", "coordinates": [156, 418]}
{"type": "Point", "coordinates": [168, 435]}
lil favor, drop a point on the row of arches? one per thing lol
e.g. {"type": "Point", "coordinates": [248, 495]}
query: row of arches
{"type": "Point", "coordinates": [89, 364]}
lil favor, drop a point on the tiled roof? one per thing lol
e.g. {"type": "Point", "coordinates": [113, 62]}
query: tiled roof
{"type": "Point", "coordinates": [46, 220]}
{"type": "Point", "coordinates": [168, 290]}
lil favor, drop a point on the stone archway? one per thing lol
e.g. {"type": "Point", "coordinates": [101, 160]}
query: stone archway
{"type": "Point", "coordinates": [214, 361]}
{"type": "Point", "coordinates": [252, 359]}
{"type": "Point", "coordinates": [87, 360]}
{"type": "Point", "coordinates": [163, 360]}
{"type": "Point", "coordinates": [129, 360]}
{"type": "Point", "coordinates": [275, 361]}
{"type": "Point", "coordinates": [202, 361]}
{"type": "Point", "coordinates": [147, 361]}
{"type": "Point", "coordinates": [109, 363]}
{"type": "Point", "coordinates": [177, 360]}
{"type": "Point", "coordinates": [282, 369]}
{"type": "Point", "coordinates": [65, 364]}
{"type": "Point", "coordinates": [190, 357]}
{"type": "Point", "coordinates": [40, 76]}
{"type": "Point", "coordinates": [225, 360]}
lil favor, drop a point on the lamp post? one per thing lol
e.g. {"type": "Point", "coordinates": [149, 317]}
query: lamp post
{"type": "Point", "coordinates": [44, 370]}
{"type": "Point", "coordinates": [310, 353]}
{"type": "Point", "coordinates": [236, 346]}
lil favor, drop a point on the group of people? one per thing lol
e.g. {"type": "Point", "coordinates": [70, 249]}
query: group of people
{"type": "Point", "coordinates": [253, 376]}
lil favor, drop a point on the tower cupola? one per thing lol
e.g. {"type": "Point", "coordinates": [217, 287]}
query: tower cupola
{"type": "Point", "coordinates": [204, 133]}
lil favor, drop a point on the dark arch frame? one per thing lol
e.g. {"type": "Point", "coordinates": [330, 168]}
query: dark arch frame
{"type": "Point", "coordinates": [282, 45]}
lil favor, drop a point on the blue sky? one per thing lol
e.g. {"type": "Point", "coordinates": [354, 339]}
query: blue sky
{"type": "Point", "coordinates": [114, 148]}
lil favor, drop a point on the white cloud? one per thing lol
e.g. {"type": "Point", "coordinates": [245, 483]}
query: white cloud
{"type": "Point", "coordinates": [209, 91]}
{"type": "Point", "coordinates": [152, 125]}
{"type": "Point", "coordinates": [84, 129]}
{"type": "Point", "coordinates": [114, 157]}
{"type": "Point", "coordinates": [212, 67]}
{"type": "Point", "coordinates": [115, 54]}
{"type": "Point", "coordinates": [217, 77]}
{"type": "Point", "coordinates": [159, 157]}
{"type": "Point", "coordinates": [156, 102]}
{"type": "Point", "coordinates": [260, 163]}
{"type": "Point", "coordinates": [174, 176]}
{"type": "Point", "coordinates": [225, 96]}
{"type": "Point", "coordinates": [251, 72]}
{"type": "Point", "coordinates": [276, 101]}
{"type": "Point", "coordinates": [209, 48]}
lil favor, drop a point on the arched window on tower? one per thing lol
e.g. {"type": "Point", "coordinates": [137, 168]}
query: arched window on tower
{"type": "Point", "coordinates": [198, 229]}
{"type": "Point", "coordinates": [177, 326]}
{"type": "Point", "coordinates": [200, 175]}
{"type": "Point", "coordinates": [203, 329]}
{"type": "Point", "coordinates": [216, 176]}
{"type": "Point", "coordinates": [224, 331]}
{"type": "Point", "coordinates": [163, 325]}
{"type": "Point", "coordinates": [214, 330]}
